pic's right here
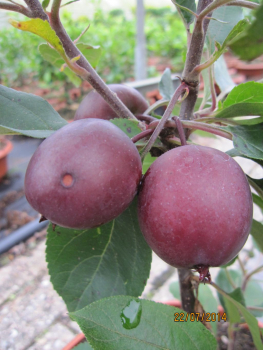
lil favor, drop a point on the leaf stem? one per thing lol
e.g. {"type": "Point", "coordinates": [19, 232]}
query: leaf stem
{"type": "Point", "coordinates": [178, 92]}
{"type": "Point", "coordinates": [230, 279]}
{"type": "Point", "coordinates": [209, 128]}
{"type": "Point", "coordinates": [241, 265]}
{"type": "Point", "coordinates": [248, 276]}
{"type": "Point", "coordinates": [214, 5]}
{"type": "Point", "coordinates": [180, 130]}
{"type": "Point", "coordinates": [141, 135]}
{"type": "Point", "coordinates": [248, 4]}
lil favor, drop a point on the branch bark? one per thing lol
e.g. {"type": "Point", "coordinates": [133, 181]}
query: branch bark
{"type": "Point", "coordinates": [193, 59]}
{"type": "Point", "coordinates": [16, 8]}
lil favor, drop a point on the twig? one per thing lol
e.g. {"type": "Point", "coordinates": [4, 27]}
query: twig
{"type": "Point", "coordinates": [248, 4]}
{"type": "Point", "coordinates": [214, 5]}
{"type": "Point", "coordinates": [16, 8]}
{"type": "Point", "coordinates": [178, 92]}
{"type": "Point", "coordinates": [248, 276]}
{"type": "Point", "coordinates": [209, 128]}
{"type": "Point", "coordinates": [241, 266]}
{"type": "Point", "coordinates": [92, 77]}
{"type": "Point", "coordinates": [180, 130]}
{"type": "Point", "coordinates": [141, 135]}
{"type": "Point", "coordinates": [37, 9]}
{"type": "Point", "coordinates": [255, 308]}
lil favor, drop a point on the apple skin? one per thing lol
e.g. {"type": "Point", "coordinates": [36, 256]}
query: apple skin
{"type": "Point", "coordinates": [83, 175]}
{"type": "Point", "coordinates": [94, 106]}
{"type": "Point", "coordinates": [195, 207]}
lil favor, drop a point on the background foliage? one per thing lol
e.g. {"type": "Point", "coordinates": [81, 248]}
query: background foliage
{"type": "Point", "coordinates": [165, 36]}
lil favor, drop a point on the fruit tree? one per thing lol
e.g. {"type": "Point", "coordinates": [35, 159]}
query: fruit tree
{"type": "Point", "coordinates": [122, 180]}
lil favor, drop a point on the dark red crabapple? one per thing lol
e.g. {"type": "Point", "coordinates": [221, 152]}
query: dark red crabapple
{"type": "Point", "coordinates": [195, 208]}
{"type": "Point", "coordinates": [94, 106]}
{"type": "Point", "coordinates": [84, 175]}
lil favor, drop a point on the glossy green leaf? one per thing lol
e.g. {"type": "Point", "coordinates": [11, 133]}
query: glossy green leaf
{"type": "Point", "coordinates": [249, 45]}
{"type": "Point", "coordinates": [187, 17]}
{"type": "Point", "coordinates": [148, 160]}
{"type": "Point", "coordinates": [244, 100]}
{"type": "Point", "coordinates": [235, 32]}
{"type": "Point", "coordinates": [27, 114]}
{"type": "Point", "coordinates": [166, 86]}
{"type": "Point", "coordinates": [248, 139]}
{"type": "Point", "coordinates": [92, 53]}
{"type": "Point", "coordinates": [218, 31]}
{"type": "Point", "coordinates": [102, 324]}
{"type": "Point", "coordinates": [257, 234]}
{"type": "Point", "coordinates": [249, 318]}
{"type": "Point", "coordinates": [87, 265]}
{"type": "Point", "coordinates": [128, 126]}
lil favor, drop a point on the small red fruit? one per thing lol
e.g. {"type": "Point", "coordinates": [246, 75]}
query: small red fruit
{"type": "Point", "coordinates": [84, 175]}
{"type": "Point", "coordinates": [195, 208]}
{"type": "Point", "coordinates": [94, 106]}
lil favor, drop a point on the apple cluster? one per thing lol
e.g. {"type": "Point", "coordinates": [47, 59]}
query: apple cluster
{"type": "Point", "coordinates": [194, 202]}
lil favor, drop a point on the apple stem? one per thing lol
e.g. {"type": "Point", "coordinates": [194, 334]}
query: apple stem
{"type": "Point", "coordinates": [204, 273]}
{"type": "Point", "coordinates": [178, 92]}
{"type": "Point", "coordinates": [146, 118]}
{"type": "Point", "coordinates": [141, 135]}
{"type": "Point", "coordinates": [180, 129]}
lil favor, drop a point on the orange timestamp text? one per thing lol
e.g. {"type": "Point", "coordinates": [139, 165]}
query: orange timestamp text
{"type": "Point", "coordinates": [196, 316]}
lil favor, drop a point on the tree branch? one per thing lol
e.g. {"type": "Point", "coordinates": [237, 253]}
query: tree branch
{"type": "Point", "coordinates": [193, 59]}
{"type": "Point", "coordinates": [16, 8]}
{"type": "Point", "coordinates": [248, 4]}
{"type": "Point", "coordinates": [37, 9]}
{"type": "Point", "coordinates": [92, 77]}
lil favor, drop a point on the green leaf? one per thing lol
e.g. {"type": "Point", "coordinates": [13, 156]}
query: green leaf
{"type": "Point", "coordinates": [53, 57]}
{"type": "Point", "coordinates": [225, 279]}
{"type": "Point", "coordinates": [43, 29]}
{"type": "Point", "coordinates": [230, 262]}
{"type": "Point", "coordinates": [27, 114]}
{"type": "Point", "coordinates": [248, 139]}
{"type": "Point", "coordinates": [249, 318]}
{"type": "Point", "coordinates": [232, 311]}
{"type": "Point", "coordinates": [249, 92]}
{"type": "Point", "coordinates": [258, 201]}
{"type": "Point", "coordinates": [128, 126]}
{"type": "Point", "coordinates": [218, 31]}
{"type": "Point", "coordinates": [87, 265]}
{"type": "Point", "coordinates": [83, 346]}
{"type": "Point", "coordinates": [249, 45]}
{"type": "Point", "coordinates": [166, 87]}
{"type": "Point", "coordinates": [45, 4]}
{"type": "Point", "coordinates": [244, 100]}
{"type": "Point", "coordinates": [257, 234]}
{"type": "Point", "coordinates": [187, 17]}
{"type": "Point", "coordinates": [92, 53]}
{"type": "Point", "coordinates": [235, 32]}
{"type": "Point", "coordinates": [102, 324]}
{"type": "Point", "coordinates": [148, 160]}
{"type": "Point", "coordinates": [254, 297]}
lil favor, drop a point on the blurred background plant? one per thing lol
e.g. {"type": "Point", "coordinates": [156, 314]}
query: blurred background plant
{"type": "Point", "coordinates": [21, 63]}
